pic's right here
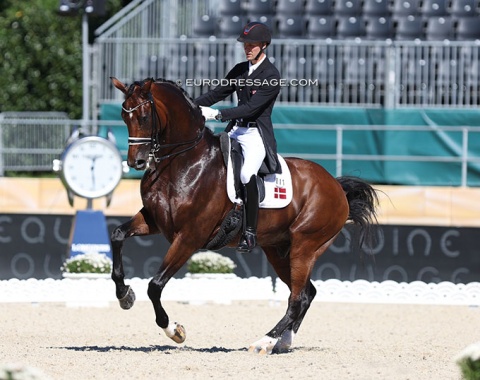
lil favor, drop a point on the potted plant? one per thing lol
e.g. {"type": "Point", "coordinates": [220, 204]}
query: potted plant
{"type": "Point", "coordinates": [88, 265]}
{"type": "Point", "coordinates": [209, 264]}
{"type": "Point", "coordinates": [469, 362]}
{"type": "Point", "coordinates": [14, 371]}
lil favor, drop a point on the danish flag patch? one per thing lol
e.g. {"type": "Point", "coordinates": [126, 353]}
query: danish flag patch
{"type": "Point", "coordinates": [280, 193]}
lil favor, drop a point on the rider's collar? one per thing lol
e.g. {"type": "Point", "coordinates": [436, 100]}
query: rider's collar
{"type": "Point", "coordinates": [252, 68]}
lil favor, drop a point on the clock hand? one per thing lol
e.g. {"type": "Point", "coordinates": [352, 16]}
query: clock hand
{"type": "Point", "coordinates": [92, 169]}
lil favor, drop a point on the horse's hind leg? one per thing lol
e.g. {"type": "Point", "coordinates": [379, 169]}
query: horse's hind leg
{"type": "Point", "coordinates": [137, 226]}
{"type": "Point", "coordinates": [295, 271]}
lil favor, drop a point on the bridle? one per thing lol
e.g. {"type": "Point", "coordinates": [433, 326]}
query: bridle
{"type": "Point", "coordinates": [154, 140]}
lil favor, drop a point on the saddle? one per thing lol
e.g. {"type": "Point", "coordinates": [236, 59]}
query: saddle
{"type": "Point", "coordinates": [274, 190]}
{"type": "Point", "coordinates": [232, 152]}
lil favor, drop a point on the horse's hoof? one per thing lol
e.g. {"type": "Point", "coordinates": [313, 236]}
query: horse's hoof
{"type": "Point", "coordinates": [258, 350]}
{"type": "Point", "coordinates": [284, 343]}
{"type": "Point", "coordinates": [176, 332]}
{"type": "Point", "coordinates": [128, 300]}
{"type": "Point", "coordinates": [263, 346]}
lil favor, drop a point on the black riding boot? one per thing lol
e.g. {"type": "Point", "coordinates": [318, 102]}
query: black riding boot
{"type": "Point", "coordinates": [248, 241]}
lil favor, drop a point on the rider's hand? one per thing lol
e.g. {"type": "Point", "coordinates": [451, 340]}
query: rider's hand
{"type": "Point", "coordinates": [209, 113]}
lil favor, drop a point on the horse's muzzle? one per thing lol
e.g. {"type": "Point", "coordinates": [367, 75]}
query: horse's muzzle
{"type": "Point", "coordinates": [138, 164]}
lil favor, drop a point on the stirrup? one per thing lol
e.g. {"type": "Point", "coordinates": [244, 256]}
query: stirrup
{"type": "Point", "coordinates": [248, 241]}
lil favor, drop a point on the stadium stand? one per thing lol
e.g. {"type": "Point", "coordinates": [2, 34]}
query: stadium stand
{"type": "Point", "coordinates": [376, 8]}
{"type": "Point", "coordinates": [434, 8]}
{"type": "Point", "coordinates": [288, 26]}
{"type": "Point", "coordinates": [289, 7]}
{"type": "Point", "coordinates": [322, 26]}
{"type": "Point", "coordinates": [404, 8]}
{"type": "Point", "coordinates": [464, 8]}
{"type": "Point", "coordinates": [268, 20]}
{"type": "Point", "coordinates": [231, 8]}
{"type": "Point", "coordinates": [468, 28]}
{"type": "Point", "coordinates": [409, 28]}
{"type": "Point", "coordinates": [439, 28]}
{"type": "Point", "coordinates": [229, 26]}
{"type": "Point", "coordinates": [205, 26]}
{"type": "Point", "coordinates": [319, 7]}
{"type": "Point", "coordinates": [348, 8]}
{"type": "Point", "coordinates": [260, 7]}
{"type": "Point", "coordinates": [379, 27]}
{"type": "Point", "coordinates": [401, 20]}
{"type": "Point", "coordinates": [350, 27]}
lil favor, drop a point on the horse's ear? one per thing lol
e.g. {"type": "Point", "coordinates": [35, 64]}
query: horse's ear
{"type": "Point", "coordinates": [122, 87]}
{"type": "Point", "coordinates": [147, 85]}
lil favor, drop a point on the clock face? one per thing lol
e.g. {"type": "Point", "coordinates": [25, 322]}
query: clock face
{"type": "Point", "coordinates": [92, 167]}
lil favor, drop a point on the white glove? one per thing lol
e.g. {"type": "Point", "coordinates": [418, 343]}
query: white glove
{"type": "Point", "coordinates": [209, 113]}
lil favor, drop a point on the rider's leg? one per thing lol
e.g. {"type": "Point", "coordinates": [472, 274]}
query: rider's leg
{"type": "Point", "coordinates": [254, 154]}
{"type": "Point", "coordinates": [248, 240]}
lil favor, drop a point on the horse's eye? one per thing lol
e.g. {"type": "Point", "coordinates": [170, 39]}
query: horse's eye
{"type": "Point", "coordinates": [143, 119]}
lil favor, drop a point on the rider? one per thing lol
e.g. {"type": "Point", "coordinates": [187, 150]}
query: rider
{"type": "Point", "coordinates": [257, 84]}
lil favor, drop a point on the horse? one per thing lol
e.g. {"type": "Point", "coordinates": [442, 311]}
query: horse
{"type": "Point", "coordinates": [184, 197]}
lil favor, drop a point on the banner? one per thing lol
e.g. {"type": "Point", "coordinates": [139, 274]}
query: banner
{"type": "Point", "coordinates": [35, 246]}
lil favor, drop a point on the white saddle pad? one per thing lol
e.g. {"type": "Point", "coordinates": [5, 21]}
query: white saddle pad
{"type": "Point", "coordinates": [278, 187]}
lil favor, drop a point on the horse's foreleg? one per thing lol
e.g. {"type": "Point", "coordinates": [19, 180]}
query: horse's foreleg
{"type": "Point", "coordinates": [176, 257]}
{"type": "Point", "coordinates": [136, 226]}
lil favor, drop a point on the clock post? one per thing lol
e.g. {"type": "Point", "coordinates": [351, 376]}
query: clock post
{"type": "Point", "coordinates": [90, 167]}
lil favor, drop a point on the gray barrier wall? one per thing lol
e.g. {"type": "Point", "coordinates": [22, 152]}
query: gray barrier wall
{"type": "Point", "coordinates": [34, 246]}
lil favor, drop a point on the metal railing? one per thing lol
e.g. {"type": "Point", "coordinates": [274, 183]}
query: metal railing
{"type": "Point", "coordinates": [32, 155]}
{"type": "Point", "coordinates": [463, 154]}
{"type": "Point", "coordinates": [373, 74]}
{"type": "Point", "coordinates": [29, 141]}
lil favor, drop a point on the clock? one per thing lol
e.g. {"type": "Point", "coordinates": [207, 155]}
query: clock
{"type": "Point", "coordinates": [90, 167]}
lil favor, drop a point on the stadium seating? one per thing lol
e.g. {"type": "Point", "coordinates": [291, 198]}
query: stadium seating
{"type": "Point", "coordinates": [348, 8]}
{"type": "Point", "coordinates": [439, 28]}
{"type": "Point", "coordinates": [404, 8]}
{"type": "Point", "coordinates": [379, 28]}
{"type": "Point", "coordinates": [350, 27]}
{"type": "Point", "coordinates": [409, 28]}
{"type": "Point", "coordinates": [230, 7]}
{"type": "Point", "coordinates": [260, 7]}
{"type": "Point", "coordinates": [290, 26]}
{"type": "Point", "coordinates": [434, 8]}
{"type": "Point", "coordinates": [468, 28]}
{"type": "Point", "coordinates": [230, 26]}
{"type": "Point", "coordinates": [376, 8]}
{"type": "Point", "coordinates": [289, 7]}
{"type": "Point", "coordinates": [320, 26]}
{"type": "Point", "coordinates": [372, 19]}
{"type": "Point", "coordinates": [266, 19]}
{"type": "Point", "coordinates": [319, 7]}
{"type": "Point", "coordinates": [464, 8]}
{"type": "Point", "coordinates": [205, 26]}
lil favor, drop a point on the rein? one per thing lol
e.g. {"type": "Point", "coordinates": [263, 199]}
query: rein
{"type": "Point", "coordinates": [155, 145]}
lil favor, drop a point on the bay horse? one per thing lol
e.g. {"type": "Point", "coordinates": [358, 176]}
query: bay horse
{"type": "Point", "coordinates": [184, 197]}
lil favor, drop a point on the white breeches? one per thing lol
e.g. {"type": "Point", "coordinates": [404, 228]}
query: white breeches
{"type": "Point", "coordinates": [253, 150]}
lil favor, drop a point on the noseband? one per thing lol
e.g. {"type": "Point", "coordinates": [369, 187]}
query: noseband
{"type": "Point", "coordinates": [154, 142]}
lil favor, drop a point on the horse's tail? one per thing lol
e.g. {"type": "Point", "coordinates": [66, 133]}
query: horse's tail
{"type": "Point", "coordinates": [363, 201]}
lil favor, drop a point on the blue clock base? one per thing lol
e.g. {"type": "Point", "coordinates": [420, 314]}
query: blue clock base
{"type": "Point", "coordinates": [89, 234]}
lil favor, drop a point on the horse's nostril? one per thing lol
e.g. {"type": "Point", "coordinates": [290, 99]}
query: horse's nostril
{"type": "Point", "coordinates": [140, 164]}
